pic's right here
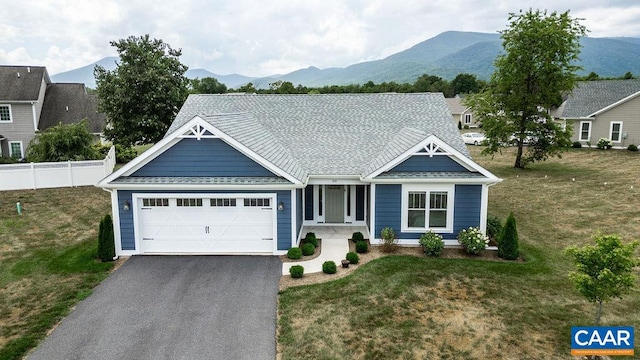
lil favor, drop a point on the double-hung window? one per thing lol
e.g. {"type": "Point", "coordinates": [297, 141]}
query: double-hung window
{"type": "Point", "coordinates": [467, 119]}
{"type": "Point", "coordinates": [585, 130]}
{"type": "Point", "coordinates": [615, 133]}
{"type": "Point", "coordinates": [427, 208]}
{"type": "Point", "coordinates": [5, 113]}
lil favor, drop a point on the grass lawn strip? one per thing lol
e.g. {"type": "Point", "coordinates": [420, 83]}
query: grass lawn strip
{"type": "Point", "coordinates": [48, 260]}
{"type": "Point", "coordinates": [407, 307]}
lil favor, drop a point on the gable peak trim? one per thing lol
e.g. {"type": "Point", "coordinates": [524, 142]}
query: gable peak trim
{"type": "Point", "coordinates": [199, 132]}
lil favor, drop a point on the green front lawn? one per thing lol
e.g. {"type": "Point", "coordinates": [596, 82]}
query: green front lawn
{"type": "Point", "coordinates": [402, 307]}
{"type": "Point", "coordinates": [47, 260]}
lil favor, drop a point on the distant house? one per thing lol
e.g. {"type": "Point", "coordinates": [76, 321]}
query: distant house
{"type": "Point", "coordinates": [603, 109]}
{"type": "Point", "coordinates": [30, 102]}
{"type": "Point", "coordinates": [461, 114]}
{"type": "Point", "coordinates": [245, 174]}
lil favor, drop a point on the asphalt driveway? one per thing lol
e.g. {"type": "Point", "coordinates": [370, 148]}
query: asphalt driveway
{"type": "Point", "coordinates": [175, 307]}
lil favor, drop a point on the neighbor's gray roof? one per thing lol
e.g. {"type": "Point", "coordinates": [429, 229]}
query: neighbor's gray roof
{"type": "Point", "coordinates": [69, 104]}
{"type": "Point", "coordinates": [589, 97]}
{"type": "Point", "coordinates": [329, 134]}
{"type": "Point", "coordinates": [21, 83]}
{"type": "Point", "coordinates": [455, 105]}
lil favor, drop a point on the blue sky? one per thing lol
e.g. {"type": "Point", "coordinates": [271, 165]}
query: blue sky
{"type": "Point", "coordinates": [259, 38]}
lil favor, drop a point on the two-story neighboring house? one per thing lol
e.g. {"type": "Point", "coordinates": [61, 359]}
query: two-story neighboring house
{"type": "Point", "coordinates": [29, 102]}
{"type": "Point", "coordinates": [603, 109]}
{"type": "Point", "coordinates": [22, 91]}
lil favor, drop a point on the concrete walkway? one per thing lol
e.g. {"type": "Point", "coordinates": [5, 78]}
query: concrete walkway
{"type": "Point", "coordinates": [335, 246]}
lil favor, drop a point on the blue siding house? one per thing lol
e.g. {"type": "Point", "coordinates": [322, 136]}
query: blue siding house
{"type": "Point", "coordinates": [245, 174]}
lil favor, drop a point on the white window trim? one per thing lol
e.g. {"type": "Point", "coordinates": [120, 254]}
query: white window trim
{"type": "Point", "coordinates": [428, 188]}
{"type": "Point", "coordinates": [11, 149]}
{"type": "Point", "coordinates": [468, 116]}
{"type": "Point", "coordinates": [10, 114]}
{"type": "Point", "coordinates": [580, 138]}
{"type": "Point", "coordinates": [619, 132]}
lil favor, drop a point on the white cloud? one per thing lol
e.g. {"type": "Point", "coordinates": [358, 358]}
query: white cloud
{"type": "Point", "coordinates": [259, 38]}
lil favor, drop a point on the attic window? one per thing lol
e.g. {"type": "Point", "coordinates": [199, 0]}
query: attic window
{"type": "Point", "coordinates": [5, 113]}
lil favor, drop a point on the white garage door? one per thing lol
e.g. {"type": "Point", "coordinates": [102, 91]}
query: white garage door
{"type": "Point", "coordinates": [197, 224]}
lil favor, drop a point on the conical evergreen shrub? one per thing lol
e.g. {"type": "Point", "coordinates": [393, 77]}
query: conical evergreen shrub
{"type": "Point", "coordinates": [508, 247]}
{"type": "Point", "coordinates": [106, 245]}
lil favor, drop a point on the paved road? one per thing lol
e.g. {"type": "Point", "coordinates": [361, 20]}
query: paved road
{"type": "Point", "coordinates": [175, 307]}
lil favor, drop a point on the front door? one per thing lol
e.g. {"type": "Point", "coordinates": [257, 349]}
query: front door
{"type": "Point", "coordinates": [334, 204]}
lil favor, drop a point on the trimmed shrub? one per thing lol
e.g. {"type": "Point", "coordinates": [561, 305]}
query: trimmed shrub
{"type": "Point", "coordinates": [459, 125]}
{"type": "Point", "coordinates": [357, 236]}
{"type": "Point", "coordinates": [604, 144]}
{"type": "Point", "coordinates": [494, 227]}
{"type": "Point", "coordinates": [308, 249]}
{"type": "Point", "coordinates": [294, 253]}
{"type": "Point", "coordinates": [329, 267]}
{"type": "Point", "coordinates": [632, 147]}
{"type": "Point", "coordinates": [296, 271]}
{"type": "Point", "coordinates": [508, 247]}
{"type": "Point", "coordinates": [352, 257]}
{"type": "Point", "coordinates": [389, 240]}
{"type": "Point", "coordinates": [362, 247]}
{"type": "Point", "coordinates": [576, 145]}
{"type": "Point", "coordinates": [310, 238]}
{"type": "Point", "coordinates": [432, 243]}
{"type": "Point", "coordinates": [473, 240]}
{"type": "Point", "coordinates": [106, 244]}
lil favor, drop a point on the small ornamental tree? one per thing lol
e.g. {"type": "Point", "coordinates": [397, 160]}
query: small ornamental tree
{"type": "Point", "coordinates": [71, 142]}
{"type": "Point", "coordinates": [508, 247]}
{"type": "Point", "coordinates": [603, 271]}
{"type": "Point", "coordinates": [106, 245]}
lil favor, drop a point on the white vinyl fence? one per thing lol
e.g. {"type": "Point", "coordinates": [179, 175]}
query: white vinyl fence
{"type": "Point", "coordinates": [56, 174]}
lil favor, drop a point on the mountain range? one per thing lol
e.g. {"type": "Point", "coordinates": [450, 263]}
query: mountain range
{"type": "Point", "coordinates": [445, 55]}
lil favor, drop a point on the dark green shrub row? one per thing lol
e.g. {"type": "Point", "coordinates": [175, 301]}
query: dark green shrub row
{"type": "Point", "coordinates": [310, 238]}
{"type": "Point", "coordinates": [294, 253]}
{"type": "Point", "coordinates": [576, 145]}
{"type": "Point", "coordinates": [296, 271]}
{"type": "Point", "coordinates": [308, 249]}
{"type": "Point", "coordinates": [353, 257]}
{"type": "Point", "coordinates": [362, 247]}
{"type": "Point", "coordinates": [329, 267]}
{"type": "Point", "coordinates": [632, 147]}
{"type": "Point", "coordinates": [357, 236]}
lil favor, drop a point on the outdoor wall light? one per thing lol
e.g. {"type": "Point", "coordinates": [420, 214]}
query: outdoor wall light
{"type": "Point", "coordinates": [126, 206]}
{"type": "Point", "coordinates": [280, 206]}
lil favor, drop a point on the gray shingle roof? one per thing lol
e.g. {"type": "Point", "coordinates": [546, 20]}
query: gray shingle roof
{"type": "Point", "coordinates": [455, 105]}
{"type": "Point", "coordinates": [331, 134]}
{"type": "Point", "coordinates": [25, 87]}
{"type": "Point", "coordinates": [68, 104]}
{"type": "Point", "coordinates": [195, 180]}
{"type": "Point", "coordinates": [591, 96]}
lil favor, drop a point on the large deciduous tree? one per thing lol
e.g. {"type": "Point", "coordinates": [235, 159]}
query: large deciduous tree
{"type": "Point", "coordinates": [143, 94]}
{"type": "Point", "coordinates": [207, 85]}
{"type": "Point", "coordinates": [537, 67]}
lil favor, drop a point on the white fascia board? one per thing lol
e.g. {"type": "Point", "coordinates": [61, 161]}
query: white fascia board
{"type": "Point", "coordinates": [187, 187]}
{"type": "Point", "coordinates": [167, 142]}
{"type": "Point", "coordinates": [456, 156]}
{"type": "Point", "coordinates": [606, 108]}
{"type": "Point", "coordinates": [335, 180]}
{"type": "Point", "coordinates": [436, 181]}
